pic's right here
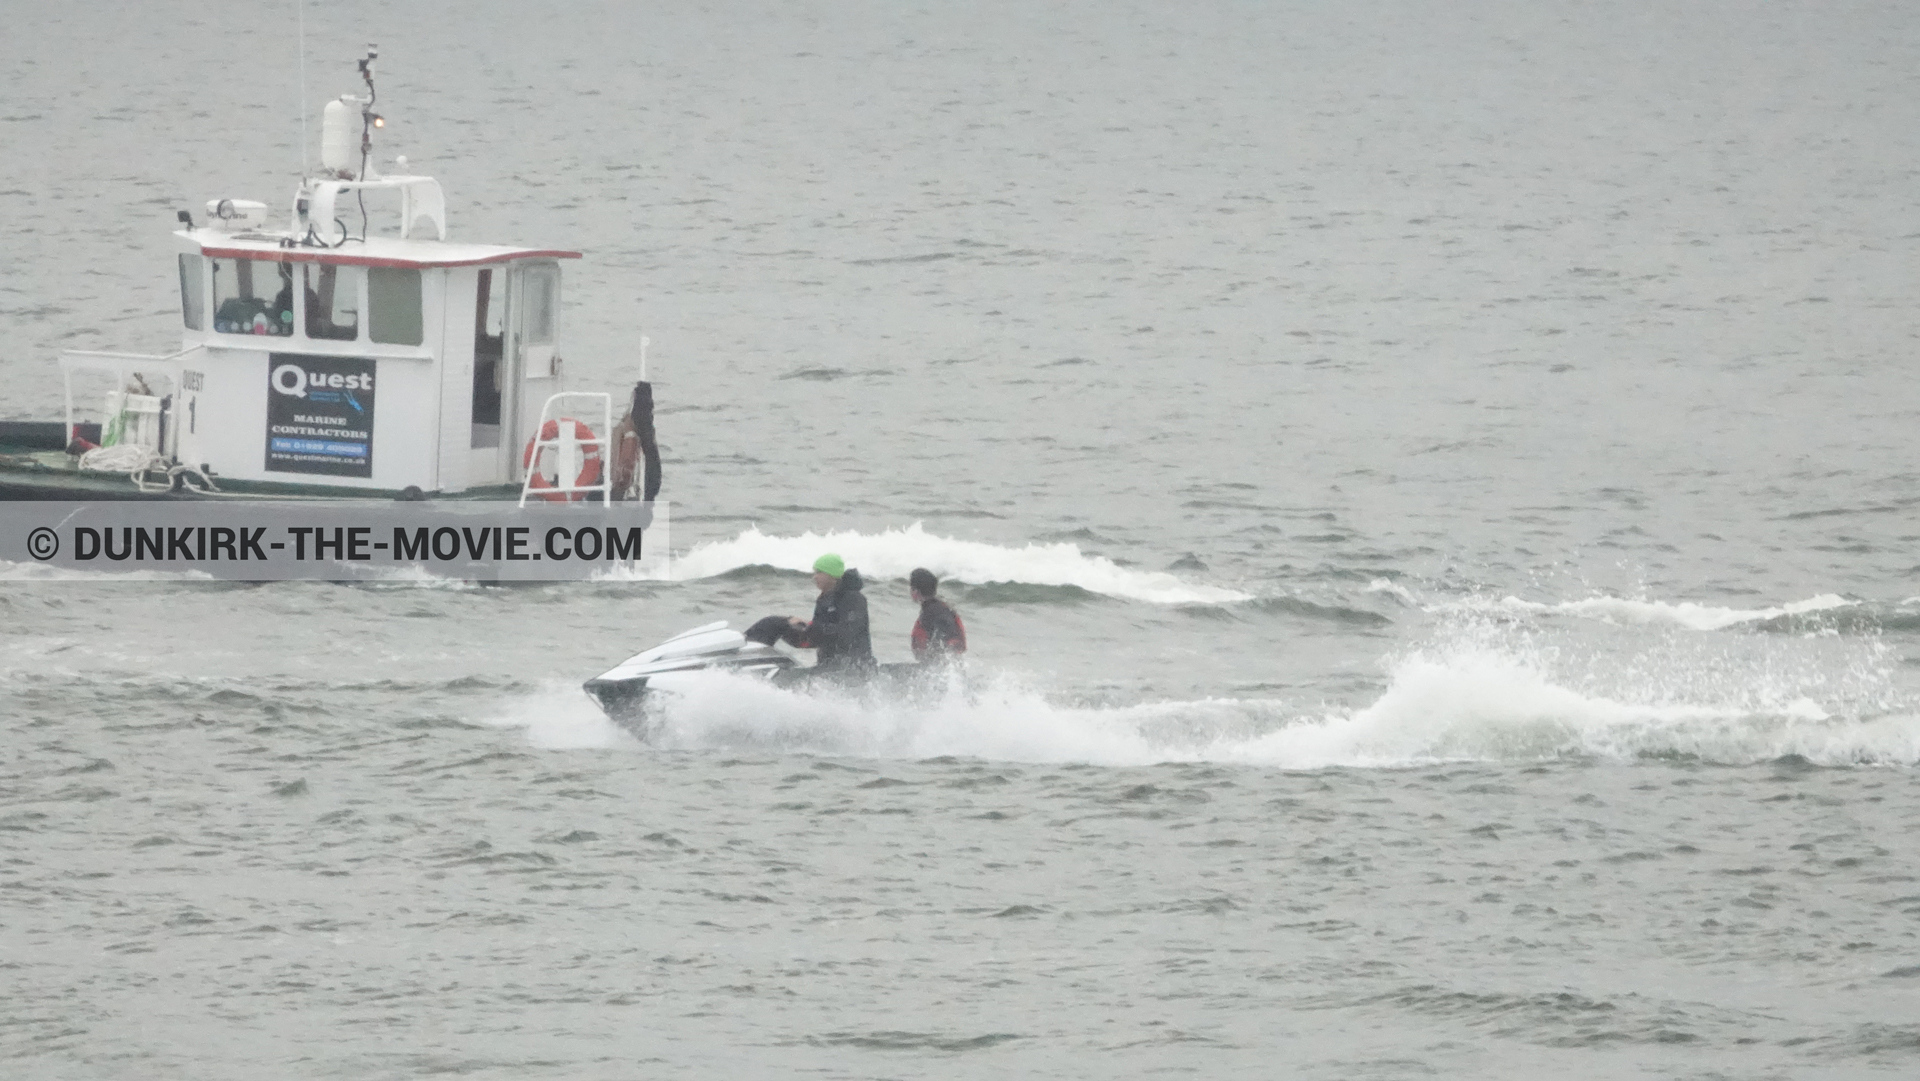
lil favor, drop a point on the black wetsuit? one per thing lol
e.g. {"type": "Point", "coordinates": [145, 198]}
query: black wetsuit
{"type": "Point", "coordinates": [839, 628]}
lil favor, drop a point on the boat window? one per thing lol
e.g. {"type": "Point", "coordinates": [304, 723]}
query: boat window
{"type": "Point", "coordinates": [253, 296]}
{"type": "Point", "coordinates": [542, 296]}
{"type": "Point", "coordinates": [494, 284]}
{"type": "Point", "coordinates": [489, 341]}
{"type": "Point", "coordinates": [394, 296]}
{"type": "Point", "coordinates": [333, 302]}
{"type": "Point", "coordinates": [193, 292]}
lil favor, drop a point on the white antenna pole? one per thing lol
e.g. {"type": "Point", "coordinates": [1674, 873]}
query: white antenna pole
{"type": "Point", "coordinates": [301, 7]}
{"type": "Point", "coordinates": [643, 357]}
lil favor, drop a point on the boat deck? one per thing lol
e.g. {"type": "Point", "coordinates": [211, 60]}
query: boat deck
{"type": "Point", "coordinates": [36, 473]}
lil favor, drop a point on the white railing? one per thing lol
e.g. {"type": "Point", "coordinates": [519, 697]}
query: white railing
{"type": "Point", "coordinates": [567, 444]}
{"type": "Point", "coordinates": [120, 366]}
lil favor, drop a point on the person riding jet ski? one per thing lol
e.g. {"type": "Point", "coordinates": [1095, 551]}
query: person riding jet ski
{"type": "Point", "coordinates": [838, 630]}
{"type": "Point", "coordinates": [938, 636]}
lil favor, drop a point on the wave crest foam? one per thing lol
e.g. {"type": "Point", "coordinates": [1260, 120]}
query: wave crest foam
{"type": "Point", "coordinates": [895, 552]}
{"type": "Point", "coordinates": [1699, 617]}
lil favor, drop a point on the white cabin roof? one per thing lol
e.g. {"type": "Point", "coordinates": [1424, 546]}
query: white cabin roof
{"type": "Point", "coordinates": [375, 251]}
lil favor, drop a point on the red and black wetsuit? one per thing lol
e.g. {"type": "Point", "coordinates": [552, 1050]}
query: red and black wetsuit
{"type": "Point", "coordinates": [938, 633]}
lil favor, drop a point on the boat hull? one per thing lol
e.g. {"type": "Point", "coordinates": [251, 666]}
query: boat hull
{"type": "Point", "coordinates": [34, 474]}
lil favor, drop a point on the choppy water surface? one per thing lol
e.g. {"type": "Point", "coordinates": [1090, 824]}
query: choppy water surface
{"type": "Point", "coordinates": [1430, 490]}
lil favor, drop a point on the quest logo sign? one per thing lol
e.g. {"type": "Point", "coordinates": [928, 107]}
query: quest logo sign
{"type": "Point", "coordinates": [293, 379]}
{"type": "Point", "coordinates": [320, 415]}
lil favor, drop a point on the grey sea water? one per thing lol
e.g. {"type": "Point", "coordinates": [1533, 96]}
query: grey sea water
{"type": "Point", "coordinates": [1430, 487]}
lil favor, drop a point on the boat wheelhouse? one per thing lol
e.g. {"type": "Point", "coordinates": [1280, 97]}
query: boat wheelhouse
{"type": "Point", "coordinates": [381, 365]}
{"type": "Point", "coordinates": [317, 360]}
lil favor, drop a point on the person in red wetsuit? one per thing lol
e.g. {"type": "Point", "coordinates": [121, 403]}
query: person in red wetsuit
{"type": "Point", "coordinates": [938, 635]}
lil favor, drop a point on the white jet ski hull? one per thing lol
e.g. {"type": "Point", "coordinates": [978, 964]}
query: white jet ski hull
{"type": "Point", "coordinates": [630, 692]}
{"type": "Point", "coordinates": [623, 690]}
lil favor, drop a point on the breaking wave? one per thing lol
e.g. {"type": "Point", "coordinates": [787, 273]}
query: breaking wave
{"type": "Point", "coordinates": [896, 552]}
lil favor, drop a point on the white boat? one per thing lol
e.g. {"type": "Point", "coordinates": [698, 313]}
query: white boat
{"type": "Point", "coordinates": [321, 358]}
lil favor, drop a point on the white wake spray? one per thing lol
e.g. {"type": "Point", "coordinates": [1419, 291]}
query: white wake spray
{"type": "Point", "coordinates": [1467, 704]}
{"type": "Point", "coordinates": [1477, 705]}
{"type": "Point", "coordinates": [1699, 617]}
{"type": "Point", "coordinates": [895, 552]}
{"type": "Point", "coordinates": [1486, 687]}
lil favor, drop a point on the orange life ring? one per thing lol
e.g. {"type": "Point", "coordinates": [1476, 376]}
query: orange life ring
{"type": "Point", "coordinates": [589, 462]}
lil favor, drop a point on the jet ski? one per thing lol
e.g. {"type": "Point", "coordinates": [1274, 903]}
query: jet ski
{"type": "Point", "coordinates": [622, 690]}
{"type": "Point", "coordinates": [625, 691]}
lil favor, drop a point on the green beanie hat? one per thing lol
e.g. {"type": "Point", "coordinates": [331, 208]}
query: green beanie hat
{"type": "Point", "coordinates": [830, 565]}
